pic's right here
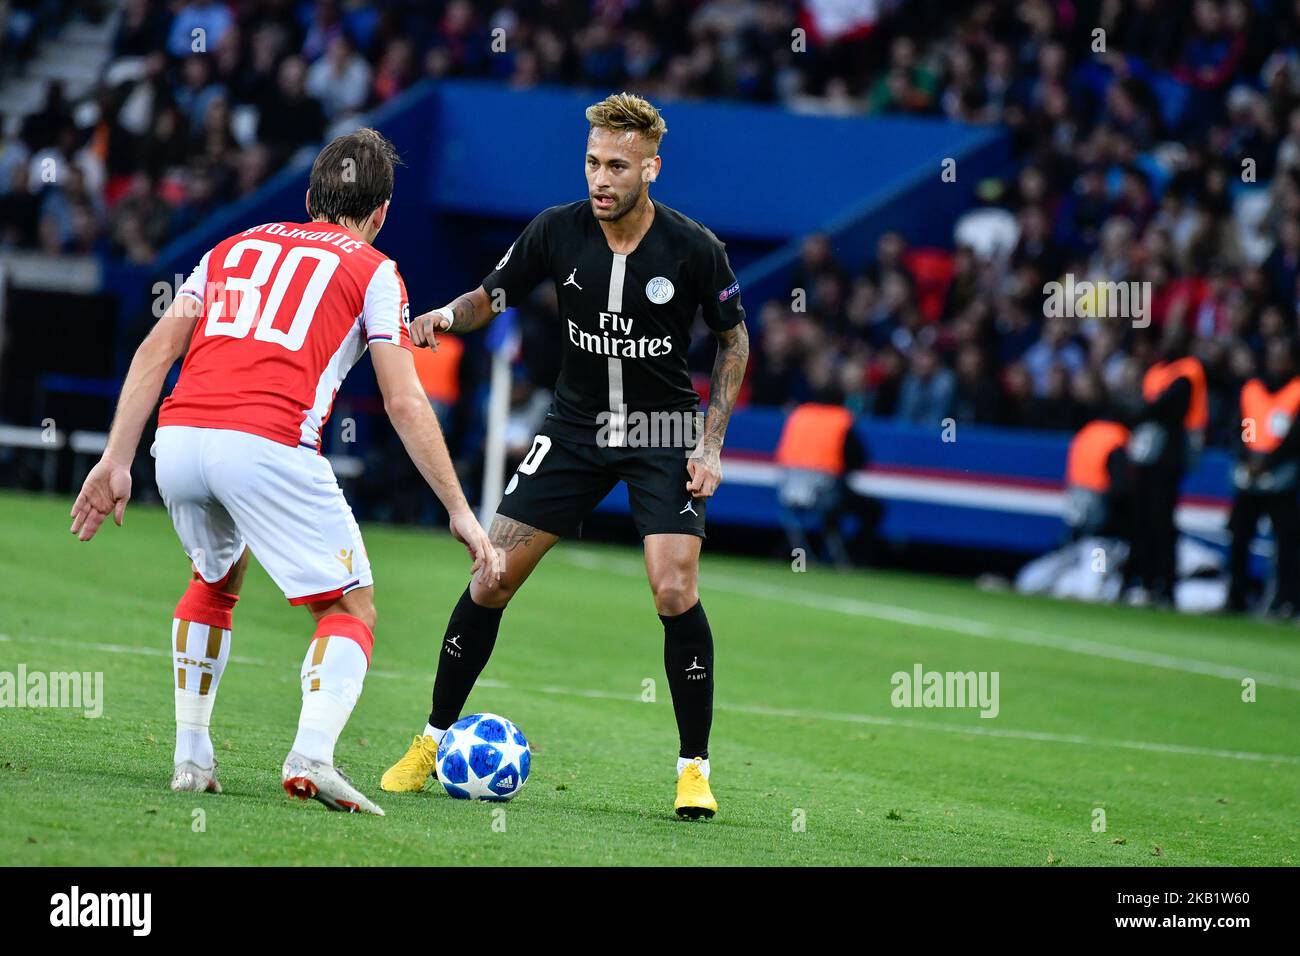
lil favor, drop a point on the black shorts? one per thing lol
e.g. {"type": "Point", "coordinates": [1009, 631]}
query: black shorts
{"type": "Point", "coordinates": [559, 483]}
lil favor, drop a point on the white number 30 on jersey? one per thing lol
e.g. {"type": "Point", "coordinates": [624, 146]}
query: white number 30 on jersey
{"type": "Point", "coordinates": [246, 293]}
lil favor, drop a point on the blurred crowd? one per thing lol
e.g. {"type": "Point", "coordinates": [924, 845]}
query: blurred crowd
{"type": "Point", "coordinates": [1155, 140]}
{"type": "Point", "coordinates": [202, 100]}
{"type": "Point", "coordinates": [1164, 149]}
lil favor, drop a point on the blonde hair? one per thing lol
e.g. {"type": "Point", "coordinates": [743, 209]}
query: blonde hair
{"type": "Point", "coordinates": [627, 112]}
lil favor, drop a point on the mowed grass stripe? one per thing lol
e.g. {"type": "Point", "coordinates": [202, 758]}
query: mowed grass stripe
{"type": "Point", "coordinates": [897, 614]}
{"type": "Point", "coordinates": [759, 710]}
{"type": "Point", "coordinates": [574, 650]}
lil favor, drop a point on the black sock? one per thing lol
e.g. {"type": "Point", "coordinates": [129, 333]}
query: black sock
{"type": "Point", "coordinates": [688, 659]}
{"type": "Point", "coordinates": [466, 647]}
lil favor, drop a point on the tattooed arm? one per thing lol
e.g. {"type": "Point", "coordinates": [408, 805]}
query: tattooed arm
{"type": "Point", "coordinates": [465, 313]}
{"type": "Point", "coordinates": [705, 466]}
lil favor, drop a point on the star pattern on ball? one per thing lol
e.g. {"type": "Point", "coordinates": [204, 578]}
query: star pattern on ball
{"type": "Point", "coordinates": [511, 753]}
{"type": "Point", "coordinates": [484, 756]}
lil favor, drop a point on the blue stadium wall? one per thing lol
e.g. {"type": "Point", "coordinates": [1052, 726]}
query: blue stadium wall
{"type": "Point", "coordinates": [989, 489]}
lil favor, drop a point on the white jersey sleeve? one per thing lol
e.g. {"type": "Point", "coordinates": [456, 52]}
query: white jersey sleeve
{"type": "Point", "coordinates": [386, 316]}
{"type": "Point", "coordinates": [197, 283]}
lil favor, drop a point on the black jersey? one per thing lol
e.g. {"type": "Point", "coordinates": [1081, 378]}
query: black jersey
{"type": "Point", "coordinates": [625, 319]}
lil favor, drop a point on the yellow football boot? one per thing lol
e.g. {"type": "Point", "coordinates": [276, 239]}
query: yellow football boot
{"type": "Point", "coordinates": [694, 798]}
{"type": "Point", "coordinates": [412, 772]}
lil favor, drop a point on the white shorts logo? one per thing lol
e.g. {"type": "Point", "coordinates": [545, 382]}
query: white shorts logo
{"type": "Point", "coordinates": [506, 257]}
{"type": "Point", "coordinates": [659, 290]}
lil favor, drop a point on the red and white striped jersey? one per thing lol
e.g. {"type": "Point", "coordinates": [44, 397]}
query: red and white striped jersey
{"type": "Point", "coordinates": [288, 309]}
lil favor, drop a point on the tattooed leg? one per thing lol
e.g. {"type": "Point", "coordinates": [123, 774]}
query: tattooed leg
{"type": "Point", "coordinates": [523, 546]}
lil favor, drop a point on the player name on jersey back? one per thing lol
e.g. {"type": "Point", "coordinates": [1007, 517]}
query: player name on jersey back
{"type": "Point", "coordinates": [341, 240]}
{"type": "Point", "coordinates": [288, 309]}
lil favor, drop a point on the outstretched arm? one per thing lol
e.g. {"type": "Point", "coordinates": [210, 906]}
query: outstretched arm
{"type": "Point", "coordinates": [413, 419]}
{"type": "Point", "coordinates": [705, 466]}
{"type": "Point", "coordinates": [107, 488]}
{"type": "Point", "coordinates": [465, 313]}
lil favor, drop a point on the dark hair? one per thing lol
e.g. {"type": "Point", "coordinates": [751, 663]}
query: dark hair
{"type": "Point", "coordinates": [352, 177]}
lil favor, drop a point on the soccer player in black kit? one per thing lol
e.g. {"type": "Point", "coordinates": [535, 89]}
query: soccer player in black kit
{"type": "Point", "coordinates": [631, 276]}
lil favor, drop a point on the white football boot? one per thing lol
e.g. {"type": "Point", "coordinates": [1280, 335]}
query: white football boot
{"type": "Point", "coordinates": [189, 776]}
{"type": "Point", "coordinates": [312, 780]}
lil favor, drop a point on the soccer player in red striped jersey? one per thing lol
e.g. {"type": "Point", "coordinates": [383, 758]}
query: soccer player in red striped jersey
{"type": "Point", "coordinates": [273, 318]}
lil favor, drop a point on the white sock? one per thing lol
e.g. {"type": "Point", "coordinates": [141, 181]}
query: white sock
{"type": "Point", "coordinates": [332, 674]}
{"type": "Point", "coordinates": [434, 732]}
{"type": "Point", "coordinates": [684, 762]}
{"type": "Point", "coordinates": [199, 655]}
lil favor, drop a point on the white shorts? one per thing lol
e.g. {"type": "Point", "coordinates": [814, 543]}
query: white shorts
{"type": "Point", "coordinates": [225, 489]}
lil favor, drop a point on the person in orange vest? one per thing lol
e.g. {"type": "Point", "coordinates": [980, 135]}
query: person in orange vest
{"type": "Point", "coordinates": [819, 449]}
{"type": "Point", "coordinates": [1097, 481]}
{"type": "Point", "coordinates": [1167, 434]}
{"type": "Point", "coordinates": [1266, 479]}
{"type": "Point", "coordinates": [439, 373]}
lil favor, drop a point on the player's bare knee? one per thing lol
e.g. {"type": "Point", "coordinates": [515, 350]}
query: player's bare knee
{"type": "Point", "coordinates": [359, 604]}
{"type": "Point", "coordinates": [674, 592]}
{"type": "Point", "coordinates": [234, 579]}
{"type": "Point", "coordinates": [364, 611]}
{"type": "Point", "coordinates": [494, 597]}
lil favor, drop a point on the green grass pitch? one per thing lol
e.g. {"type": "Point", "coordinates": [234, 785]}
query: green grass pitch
{"type": "Point", "coordinates": [1138, 714]}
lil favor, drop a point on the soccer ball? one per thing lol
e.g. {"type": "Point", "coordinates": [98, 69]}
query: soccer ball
{"type": "Point", "coordinates": [483, 757]}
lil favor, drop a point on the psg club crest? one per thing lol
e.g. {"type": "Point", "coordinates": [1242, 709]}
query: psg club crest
{"type": "Point", "coordinates": [659, 290]}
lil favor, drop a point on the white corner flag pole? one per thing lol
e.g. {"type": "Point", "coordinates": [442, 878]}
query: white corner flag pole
{"type": "Point", "coordinates": [494, 460]}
